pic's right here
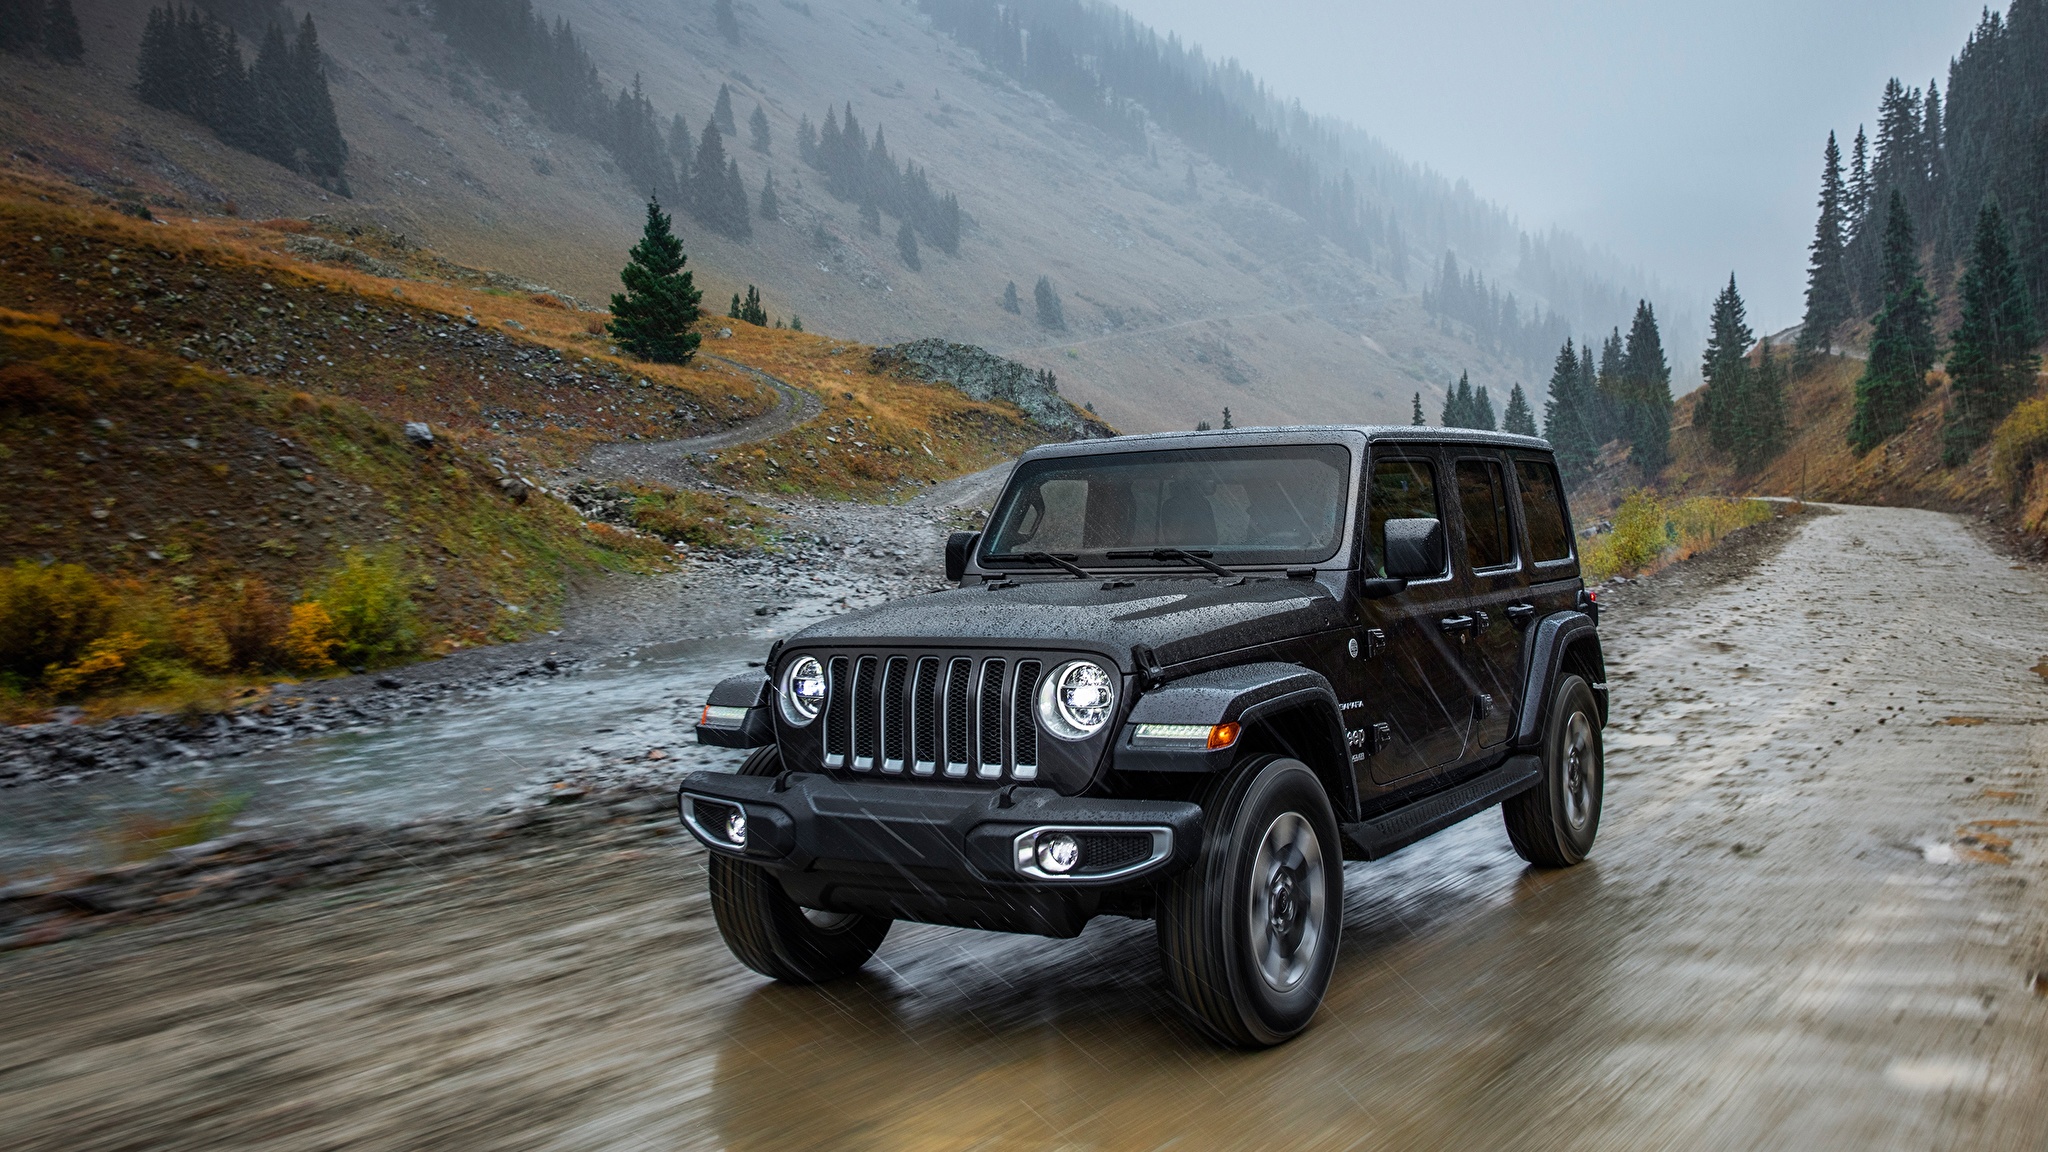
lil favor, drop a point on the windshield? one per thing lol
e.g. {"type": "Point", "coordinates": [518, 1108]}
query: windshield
{"type": "Point", "coordinates": [1281, 504]}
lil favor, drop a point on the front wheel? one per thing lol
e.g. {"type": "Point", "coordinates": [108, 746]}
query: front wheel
{"type": "Point", "coordinates": [1248, 936]}
{"type": "Point", "coordinates": [773, 934]}
{"type": "Point", "coordinates": [1553, 824]}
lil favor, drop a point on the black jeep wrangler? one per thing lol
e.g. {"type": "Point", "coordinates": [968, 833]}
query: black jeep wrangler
{"type": "Point", "coordinates": [1184, 677]}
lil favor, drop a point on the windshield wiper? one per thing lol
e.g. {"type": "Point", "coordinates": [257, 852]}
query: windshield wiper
{"type": "Point", "coordinates": [1048, 558]}
{"type": "Point", "coordinates": [1198, 559]}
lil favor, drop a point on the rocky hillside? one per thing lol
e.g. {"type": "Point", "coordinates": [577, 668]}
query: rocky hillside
{"type": "Point", "coordinates": [209, 424]}
{"type": "Point", "coordinates": [1180, 296]}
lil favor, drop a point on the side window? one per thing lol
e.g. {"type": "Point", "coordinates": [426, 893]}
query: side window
{"type": "Point", "coordinates": [1401, 490]}
{"type": "Point", "coordinates": [1483, 497]}
{"type": "Point", "coordinates": [1543, 511]}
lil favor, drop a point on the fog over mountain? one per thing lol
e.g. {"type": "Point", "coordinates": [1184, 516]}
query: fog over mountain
{"type": "Point", "coordinates": [1685, 138]}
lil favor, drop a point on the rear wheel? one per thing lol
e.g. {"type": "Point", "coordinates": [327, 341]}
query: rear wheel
{"type": "Point", "coordinates": [773, 934]}
{"type": "Point", "coordinates": [1553, 824]}
{"type": "Point", "coordinates": [1248, 936]}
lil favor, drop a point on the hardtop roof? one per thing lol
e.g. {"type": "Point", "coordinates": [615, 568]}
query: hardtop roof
{"type": "Point", "coordinates": [1293, 434]}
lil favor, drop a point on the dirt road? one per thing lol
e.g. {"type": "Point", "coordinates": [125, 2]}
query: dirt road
{"type": "Point", "coordinates": [1815, 919]}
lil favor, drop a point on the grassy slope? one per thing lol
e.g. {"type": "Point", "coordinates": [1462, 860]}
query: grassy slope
{"type": "Point", "coordinates": [1819, 464]}
{"type": "Point", "coordinates": [174, 369]}
{"type": "Point", "coordinates": [1178, 306]}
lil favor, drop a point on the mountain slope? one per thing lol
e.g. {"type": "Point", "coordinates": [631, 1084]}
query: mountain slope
{"type": "Point", "coordinates": [1178, 303]}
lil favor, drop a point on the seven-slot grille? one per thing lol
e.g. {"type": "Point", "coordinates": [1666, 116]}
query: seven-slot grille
{"type": "Point", "coordinates": [954, 716]}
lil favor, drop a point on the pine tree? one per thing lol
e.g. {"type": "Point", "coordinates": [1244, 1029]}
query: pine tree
{"type": "Point", "coordinates": [749, 309]}
{"type": "Point", "coordinates": [705, 196]}
{"type": "Point", "coordinates": [906, 246]}
{"type": "Point", "coordinates": [1417, 417]}
{"type": "Point", "coordinates": [771, 207]}
{"type": "Point", "coordinates": [1991, 361]}
{"type": "Point", "coordinates": [1567, 415]}
{"type": "Point", "coordinates": [1829, 303]}
{"type": "Point", "coordinates": [1859, 179]}
{"type": "Point", "coordinates": [1646, 391]}
{"type": "Point", "coordinates": [652, 319]}
{"type": "Point", "coordinates": [1010, 302]}
{"type": "Point", "coordinates": [1760, 430]}
{"type": "Point", "coordinates": [757, 128]}
{"type": "Point", "coordinates": [314, 129]}
{"type": "Point", "coordinates": [733, 207]}
{"type": "Point", "coordinates": [721, 112]}
{"type": "Point", "coordinates": [806, 141]}
{"type": "Point", "coordinates": [870, 216]}
{"type": "Point", "coordinates": [1518, 419]}
{"type": "Point", "coordinates": [796, 323]}
{"type": "Point", "coordinates": [61, 38]}
{"type": "Point", "coordinates": [1610, 406]}
{"type": "Point", "coordinates": [728, 22]}
{"type": "Point", "coordinates": [157, 66]}
{"type": "Point", "coordinates": [1050, 314]}
{"type": "Point", "coordinates": [1724, 366]}
{"type": "Point", "coordinates": [679, 146]}
{"type": "Point", "coordinates": [1902, 343]}
{"type": "Point", "coordinates": [1227, 422]}
{"type": "Point", "coordinates": [1465, 408]}
{"type": "Point", "coordinates": [272, 80]}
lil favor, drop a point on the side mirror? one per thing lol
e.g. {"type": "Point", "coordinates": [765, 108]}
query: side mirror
{"type": "Point", "coordinates": [959, 546]}
{"type": "Point", "coordinates": [1414, 548]}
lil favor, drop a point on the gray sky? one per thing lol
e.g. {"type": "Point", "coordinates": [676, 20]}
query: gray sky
{"type": "Point", "coordinates": [1684, 137]}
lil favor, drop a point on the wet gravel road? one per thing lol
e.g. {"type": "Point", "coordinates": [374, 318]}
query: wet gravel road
{"type": "Point", "coordinates": [1815, 919]}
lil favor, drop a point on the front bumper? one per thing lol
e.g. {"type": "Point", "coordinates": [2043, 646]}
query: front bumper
{"type": "Point", "coordinates": [939, 853]}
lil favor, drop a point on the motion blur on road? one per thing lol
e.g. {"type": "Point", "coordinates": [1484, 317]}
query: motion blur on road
{"type": "Point", "coordinates": [1814, 919]}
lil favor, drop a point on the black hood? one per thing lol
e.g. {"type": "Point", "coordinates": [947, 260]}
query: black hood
{"type": "Point", "coordinates": [1180, 619]}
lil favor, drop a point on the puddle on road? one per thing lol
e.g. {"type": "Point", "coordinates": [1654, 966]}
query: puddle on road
{"type": "Point", "coordinates": [1944, 1074]}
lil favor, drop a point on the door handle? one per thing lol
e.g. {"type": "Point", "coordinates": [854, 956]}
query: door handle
{"type": "Point", "coordinates": [1521, 614]}
{"type": "Point", "coordinates": [1455, 623]}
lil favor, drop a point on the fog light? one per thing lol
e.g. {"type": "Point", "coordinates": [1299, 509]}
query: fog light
{"type": "Point", "coordinates": [1058, 852]}
{"type": "Point", "coordinates": [736, 829]}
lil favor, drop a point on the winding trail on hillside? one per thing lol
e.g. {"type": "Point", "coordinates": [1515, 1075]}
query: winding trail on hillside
{"type": "Point", "coordinates": [667, 461]}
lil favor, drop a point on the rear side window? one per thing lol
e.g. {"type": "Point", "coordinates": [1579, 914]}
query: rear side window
{"type": "Point", "coordinates": [1543, 511]}
{"type": "Point", "coordinates": [1483, 497]}
{"type": "Point", "coordinates": [1401, 490]}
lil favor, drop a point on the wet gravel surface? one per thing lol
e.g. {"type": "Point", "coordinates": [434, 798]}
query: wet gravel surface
{"type": "Point", "coordinates": [1814, 920]}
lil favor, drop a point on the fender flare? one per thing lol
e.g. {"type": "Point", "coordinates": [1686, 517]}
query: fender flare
{"type": "Point", "coordinates": [1244, 694]}
{"type": "Point", "coordinates": [1555, 635]}
{"type": "Point", "coordinates": [747, 722]}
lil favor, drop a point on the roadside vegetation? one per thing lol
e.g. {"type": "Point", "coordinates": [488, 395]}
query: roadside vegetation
{"type": "Point", "coordinates": [1650, 532]}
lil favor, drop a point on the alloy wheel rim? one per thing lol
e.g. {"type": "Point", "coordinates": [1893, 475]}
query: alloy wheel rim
{"type": "Point", "coordinates": [1286, 908]}
{"type": "Point", "coordinates": [1578, 778]}
{"type": "Point", "coordinates": [828, 921]}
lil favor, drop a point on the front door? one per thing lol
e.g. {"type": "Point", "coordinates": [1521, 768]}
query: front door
{"type": "Point", "coordinates": [1409, 675]}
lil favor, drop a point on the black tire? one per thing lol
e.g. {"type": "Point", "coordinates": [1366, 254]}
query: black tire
{"type": "Point", "coordinates": [1553, 824]}
{"type": "Point", "coordinates": [1248, 935]}
{"type": "Point", "coordinates": [774, 935]}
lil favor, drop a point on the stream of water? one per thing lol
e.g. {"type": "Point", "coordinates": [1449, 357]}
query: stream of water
{"type": "Point", "coordinates": [462, 754]}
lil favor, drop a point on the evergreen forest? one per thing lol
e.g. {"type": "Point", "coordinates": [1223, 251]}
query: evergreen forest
{"type": "Point", "coordinates": [277, 107]}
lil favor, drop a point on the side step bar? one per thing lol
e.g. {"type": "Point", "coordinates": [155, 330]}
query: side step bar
{"type": "Point", "coordinates": [1385, 835]}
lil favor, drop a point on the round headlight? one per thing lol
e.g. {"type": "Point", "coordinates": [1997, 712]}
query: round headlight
{"type": "Point", "coordinates": [803, 691]}
{"type": "Point", "coordinates": [1076, 700]}
{"type": "Point", "coordinates": [736, 827]}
